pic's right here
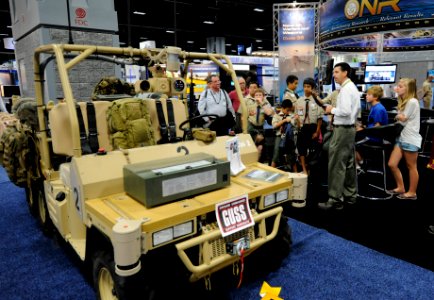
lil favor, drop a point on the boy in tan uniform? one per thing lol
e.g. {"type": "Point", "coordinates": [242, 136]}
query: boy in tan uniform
{"type": "Point", "coordinates": [311, 120]}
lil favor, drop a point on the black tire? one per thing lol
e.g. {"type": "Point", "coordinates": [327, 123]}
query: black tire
{"type": "Point", "coordinates": [42, 210]}
{"type": "Point", "coordinates": [269, 257]}
{"type": "Point", "coordinates": [108, 285]}
{"type": "Point", "coordinates": [31, 201]}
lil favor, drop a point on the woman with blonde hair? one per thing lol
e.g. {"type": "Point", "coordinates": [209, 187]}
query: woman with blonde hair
{"type": "Point", "coordinates": [409, 141]}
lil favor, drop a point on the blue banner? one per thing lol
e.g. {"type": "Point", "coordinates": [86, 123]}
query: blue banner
{"type": "Point", "coordinates": [296, 45]}
{"type": "Point", "coordinates": [341, 18]}
{"type": "Point", "coordinates": [410, 40]}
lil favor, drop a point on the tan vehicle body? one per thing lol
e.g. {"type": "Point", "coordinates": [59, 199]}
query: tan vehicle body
{"type": "Point", "coordinates": [87, 194]}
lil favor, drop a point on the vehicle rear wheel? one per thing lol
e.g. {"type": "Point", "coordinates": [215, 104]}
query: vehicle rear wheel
{"type": "Point", "coordinates": [31, 201]}
{"type": "Point", "coordinates": [43, 215]}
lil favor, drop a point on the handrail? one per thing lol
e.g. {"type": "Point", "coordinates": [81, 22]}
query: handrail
{"type": "Point", "coordinates": [62, 51]}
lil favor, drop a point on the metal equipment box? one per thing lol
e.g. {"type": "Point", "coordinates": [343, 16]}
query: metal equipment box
{"type": "Point", "coordinates": [161, 181]}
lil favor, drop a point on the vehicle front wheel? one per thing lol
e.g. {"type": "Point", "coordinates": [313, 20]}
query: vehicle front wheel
{"type": "Point", "coordinates": [109, 286]}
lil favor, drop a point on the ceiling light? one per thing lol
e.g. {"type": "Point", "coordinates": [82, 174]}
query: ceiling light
{"type": "Point", "coordinates": [190, 42]}
{"type": "Point", "coordinates": [260, 47]}
{"type": "Point", "coordinates": [122, 43]}
{"type": "Point", "coordinates": [202, 48]}
{"type": "Point", "coordinates": [170, 31]}
{"type": "Point", "coordinates": [228, 45]}
{"type": "Point", "coordinates": [139, 13]}
{"type": "Point", "coordinates": [259, 41]}
{"type": "Point", "coordinates": [233, 50]}
{"type": "Point", "coordinates": [143, 38]}
{"type": "Point", "coordinates": [208, 22]}
{"type": "Point", "coordinates": [258, 10]}
{"type": "Point", "coordinates": [9, 26]}
{"type": "Point", "coordinates": [260, 29]}
{"type": "Point", "coordinates": [5, 34]}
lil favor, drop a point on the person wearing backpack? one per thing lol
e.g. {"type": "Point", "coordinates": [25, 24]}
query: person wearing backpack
{"type": "Point", "coordinates": [215, 100]}
{"type": "Point", "coordinates": [283, 122]}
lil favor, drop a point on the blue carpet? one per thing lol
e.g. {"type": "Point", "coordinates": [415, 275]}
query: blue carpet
{"type": "Point", "coordinates": [320, 266]}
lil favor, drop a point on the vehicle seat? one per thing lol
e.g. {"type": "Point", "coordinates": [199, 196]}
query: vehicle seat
{"type": "Point", "coordinates": [61, 130]}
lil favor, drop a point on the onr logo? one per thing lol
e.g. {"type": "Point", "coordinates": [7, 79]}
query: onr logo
{"type": "Point", "coordinates": [357, 7]}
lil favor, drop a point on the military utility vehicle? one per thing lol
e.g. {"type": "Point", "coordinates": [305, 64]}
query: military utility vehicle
{"type": "Point", "coordinates": [140, 207]}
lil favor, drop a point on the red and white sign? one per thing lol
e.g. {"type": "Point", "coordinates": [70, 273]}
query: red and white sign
{"type": "Point", "coordinates": [234, 215]}
{"type": "Point", "coordinates": [80, 13]}
{"type": "Point", "coordinates": [80, 17]}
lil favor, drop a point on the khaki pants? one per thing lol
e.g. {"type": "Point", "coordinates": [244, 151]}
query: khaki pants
{"type": "Point", "coordinates": [341, 166]}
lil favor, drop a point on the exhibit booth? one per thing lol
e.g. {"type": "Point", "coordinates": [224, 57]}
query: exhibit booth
{"type": "Point", "coordinates": [381, 40]}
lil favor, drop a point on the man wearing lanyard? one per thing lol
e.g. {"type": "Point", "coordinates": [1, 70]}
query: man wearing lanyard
{"type": "Point", "coordinates": [342, 185]}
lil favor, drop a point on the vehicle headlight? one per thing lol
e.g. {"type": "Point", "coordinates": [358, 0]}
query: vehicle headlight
{"type": "Point", "coordinates": [281, 195]}
{"type": "Point", "coordinates": [269, 200]}
{"type": "Point", "coordinates": [182, 229]}
{"type": "Point", "coordinates": [172, 233]}
{"type": "Point", "coordinates": [162, 236]}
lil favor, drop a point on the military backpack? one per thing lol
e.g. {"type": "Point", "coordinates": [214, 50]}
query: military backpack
{"type": "Point", "coordinates": [129, 124]}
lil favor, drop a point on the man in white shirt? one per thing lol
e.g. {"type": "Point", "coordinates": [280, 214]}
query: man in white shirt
{"type": "Point", "coordinates": [215, 100]}
{"type": "Point", "coordinates": [342, 186]}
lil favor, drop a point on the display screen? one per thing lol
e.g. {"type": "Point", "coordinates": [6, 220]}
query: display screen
{"type": "Point", "coordinates": [431, 73]}
{"type": "Point", "coordinates": [380, 73]}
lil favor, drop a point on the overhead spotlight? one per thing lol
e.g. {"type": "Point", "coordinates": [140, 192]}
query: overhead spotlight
{"type": "Point", "coordinates": [170, 31]}
{"type": "Point", "coordinates": [143, 38]}
{"type": "Point", "coordinates": [203, 48]}
{"type": "Point", "coordinates": [190, 42]}
{"type": "Point", "coordinates": [260, 47]}
{"type": "Point", "coordinates": [208, 22]}
{"type": "Point", "coordinates": [139, 13]}
{"type": "Point", "coordinates": [9, 26]}
{"type": "Point", "coordinates": [260, 29]}
{"type": "Point", "coordinates": [258, 10]}
{"type": "Point", "coordinates": [228, 45]}
{"type": "Point", "coordinates": [259, 41]}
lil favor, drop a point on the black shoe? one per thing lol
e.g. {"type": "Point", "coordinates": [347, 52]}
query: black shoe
{"type": "Point", "coordinates": [331, 204]}
{"type": "Point", "coordinates": [350, 201]}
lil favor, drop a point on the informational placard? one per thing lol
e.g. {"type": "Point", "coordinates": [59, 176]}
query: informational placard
{"type": "Point", "coordinates": [296, 45]}
{"type": "Point", "coordinates": [342, 18]}
{"type": "Point", "coordinates": [234, 215]}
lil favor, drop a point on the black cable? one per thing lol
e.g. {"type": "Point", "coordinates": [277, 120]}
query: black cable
{"type": "Point", "coordinates": [70, 41]}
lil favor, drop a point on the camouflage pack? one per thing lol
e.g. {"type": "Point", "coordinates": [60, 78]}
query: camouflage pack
{"type": "Point", "coordinates": [112, 86]}
{"type": "Point", "coordinates": [129, 124]}
{"type": "Point", "coordinates": [14, 143]}
{"type": "Point", "coordinates": [26, 111]}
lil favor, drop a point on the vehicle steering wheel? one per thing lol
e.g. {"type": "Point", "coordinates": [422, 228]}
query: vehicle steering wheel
{"type": "Point", "coordinates": [194, 122]}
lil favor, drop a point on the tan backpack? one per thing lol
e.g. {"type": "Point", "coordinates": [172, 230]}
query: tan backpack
{"type": "Point", "coordinates": [129, 124]}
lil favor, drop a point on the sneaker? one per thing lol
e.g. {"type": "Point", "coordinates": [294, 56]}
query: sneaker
{"type": "Point", "coordinates": [331, 204]}
{"type": "Point", "coordinates": [298, 203]}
